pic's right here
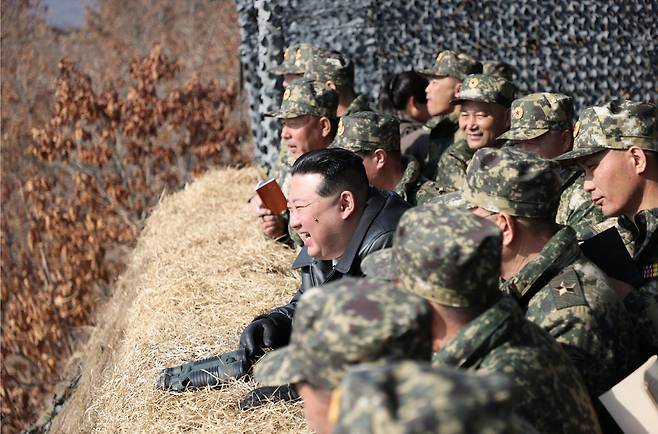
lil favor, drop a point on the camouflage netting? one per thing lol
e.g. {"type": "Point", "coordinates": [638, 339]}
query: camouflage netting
{"type": "Point", "coordinates": [594, 50]}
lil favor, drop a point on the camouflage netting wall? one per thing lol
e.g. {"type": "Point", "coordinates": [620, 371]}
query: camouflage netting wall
{"type": "Point", "coordinates": [594, 50]}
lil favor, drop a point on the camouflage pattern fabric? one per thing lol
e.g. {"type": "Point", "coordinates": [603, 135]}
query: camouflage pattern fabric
{"type": "Point", "coordinates": [616, 125]}
{"type": "Point", "coordinates": [359, 104]}
{"type": "Point", "coordinates": [331, 66]}
{"type": "Point", "coordinates": [444, 132]}
{"type": "Point", "coordinates": [498, 69]}
{"type": "Point", "coordinates": [576, 208]}
{"type": "Point", "coordinates": [296, 59]}
{"type": "Point", "coordinates": [304, 97]}
{"type": "Point", "coordinates": [513, 181]}
{"type": "Point", "coordinates": [568, 296]}
{"type": "Point", "coordinates": [348, 322]}
{"type": "Point", "coordinates": [367, 131]}
{"type": "Point", "coordinates": [451, 64]}
{"type": "Point", "coordinates": [412, 179]}
{"type": "Point", "coordinates": [551, 394]}
{"type": "Point", "coordinates": [538, 113]}
{"type": "Point", "coordinates": [451, 171]}
{"type": "Point", "coordinates": [486, 88]}
{"type": "Point", "coordinates": [643, 303]}
{"type": "Point", "coordinates": [412, 397]}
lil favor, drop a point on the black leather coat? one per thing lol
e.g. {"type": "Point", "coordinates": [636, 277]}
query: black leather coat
{"type": "Point", "coordinates": [374, 232]}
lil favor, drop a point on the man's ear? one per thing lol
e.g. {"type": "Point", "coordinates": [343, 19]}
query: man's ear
{"type": "Point", "coordinates": [330, 85]}
{"type": "Point", "coordinates": [457, 88]}
{"type": "Point", "coordinates": [639, 157]}
{"type": "Point", "coordinates": [347, 204]}
{"type": "Point", "coordinates": [507, 226]}
{"type": "Point", "coordinates": [380, 158]}
{"type": "Point", "coordinates": [566, 140]}
{"type": "Point", "coordinates": [325, 126]}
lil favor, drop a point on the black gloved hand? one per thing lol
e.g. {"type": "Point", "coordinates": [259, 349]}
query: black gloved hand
{"type": "Point", "coordinates": [267, 331]}
{"type": "Point", "coordinates": [264, 395]}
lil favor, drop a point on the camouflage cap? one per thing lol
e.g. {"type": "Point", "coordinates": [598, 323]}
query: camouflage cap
{"type": "Point", "coordinates": [498, 69]}
{"type": "Point", "coordinates": [616, 125]}
{"type": "Point", "coordinates": [537, 114]}
{"type": "Point", "coordinates": [331, 66]}
{"type": "Point", "coordinates": [304, 97]}
{"type": "Point", "coordinates": [486, 88]}
{"type": "Point", "coordinates": [296, 59]}
{"type": "Point", "coordinates": [367, 131]}
{"type": "Point", "coordinates": [412, 397]}
{"type": "Point", "coordinates": [451, 64]}
{"type": "Point", "coordinates": [347, 322]}
{"type": "Point", "coordinates": [513, 181]}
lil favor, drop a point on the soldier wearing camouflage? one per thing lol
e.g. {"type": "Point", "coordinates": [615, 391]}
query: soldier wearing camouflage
{"type": "Point", "coordinates": [456, 267]}
{"type": "Point", "coordinates": [296, 59]}
{"type": "Point", "coordinates": [335, 71]}
{"type": "Point", "coordinates": [376, 138]}
{"type": "Point", "coordinates": [488, 93]}
{"type": "Point", "coordinates": [445, 75]}
{"type": "Point", "coordinates": [607, 139]}
{"type": "Point", "coordinates": [557, 286]}
{"type": "Point", "coordinates": [541, 124]}
{"type": "Point", "coordinates": [302, 98]}
{"type": "Point", "coordinates": [412, 397]}
{"type": "Point", "coordinates": [498, 69]}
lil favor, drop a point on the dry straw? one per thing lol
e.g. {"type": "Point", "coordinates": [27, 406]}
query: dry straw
{"type": "Point", "coordinates": [199, 273]}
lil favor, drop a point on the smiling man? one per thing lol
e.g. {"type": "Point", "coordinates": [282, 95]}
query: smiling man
{"type": "Point", "coordinates": [341, 220]}
{"type": "Point", "coordinates": [617, 147]}
{"type": "Point", "coordinates": [308, 118]}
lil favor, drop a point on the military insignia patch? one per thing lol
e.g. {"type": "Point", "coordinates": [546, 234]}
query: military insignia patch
{"type": "Point", "coordinates": [518, 113]}
{"type": "Point", "coordinates": [286, 53]}
{"type": "Point", "coordinates": [341, 128]}
{"type": "Point", "coordinates": [473, 82]}
{"type": "Point", "coordinates": [576, 129]}
{"type": "Point", "coordinates": [286, 94]}
{"type": "Point", "coordinates": [440, 56]}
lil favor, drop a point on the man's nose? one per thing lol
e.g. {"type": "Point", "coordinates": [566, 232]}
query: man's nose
{"type": "Point", "coordinates": [294, 220]}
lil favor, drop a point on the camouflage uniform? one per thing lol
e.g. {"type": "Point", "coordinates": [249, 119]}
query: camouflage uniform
{"type": "Point", "coordinates": [498, 69]}
{"type": "Point", "coordinates": [560, 290]}
{"type": "Point", "coordinates": [457, 264]}
{"type": "Point", "coordinates": [295, 61]}
{"type": "Point", "coordinates": [413, 397]}
{"type": "Point", "coordinates": [335, 67]}
{"type": "Point", "coordinates": [365, 132]}
{"type": "Point", "coordinates": [344, 323]}
{"type": "Point", "coordinates": [535, 115]}
{"type": "Point", "coordinates": [303, 97]}
{"type": "Point", "coordinates": [620, 125]}
{"type": "Point", "coordinates": [444, 129]}
{"type": "Point", "coordinates": [452, 166]}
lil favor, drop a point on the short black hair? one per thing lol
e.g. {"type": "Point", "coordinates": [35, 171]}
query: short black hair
{"type": "Point", "coordinates": [341, 170]}
{"type": "Point", "coordinates": [400, 88]}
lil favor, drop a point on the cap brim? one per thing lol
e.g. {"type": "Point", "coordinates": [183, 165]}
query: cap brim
{"type": "Point", "coordinates": [430, 73]}
{"type": "Point", "coordinates": [578, 153]}
{"type": "Point", "coordinates": [452, 200]}
{"type": "Point", "coordinates": [284, 114]}
{"type": "Point", "coordinates": [283, 70]}
{"type": "Point", "coordinates": [379, 265]}
{"type": "Point", "coordinates": [278, 367]}
{"type": "Point", "coordinates": [523, 134]}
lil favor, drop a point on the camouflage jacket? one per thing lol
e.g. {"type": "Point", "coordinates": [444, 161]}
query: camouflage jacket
{"type": "Point", "coordinates": [358, 104]}
{"type": "Point", "coordinates": [568, 296]}
{"type": "Point", "coordinates": [643, 303]}
{"type": "Point", "coordinates": [451, 172]}
{"type": "Point", "coordinates": [552, 396]}
{"type": "Point", "coordinates": [576, 207]}
{"type": "Point", "coordinates": [411, 180]}
{"type": "Point", "coordinates": [443, 132]}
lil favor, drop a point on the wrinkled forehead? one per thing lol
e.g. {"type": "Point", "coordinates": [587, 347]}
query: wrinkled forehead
{"type": "Point", "coordinates": [479, 106]}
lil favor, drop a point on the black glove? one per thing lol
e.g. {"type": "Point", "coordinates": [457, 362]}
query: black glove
{"type": "Point", "coordinates": [267, 331]}
{"type": "Point", "coordinates": [265, 395]}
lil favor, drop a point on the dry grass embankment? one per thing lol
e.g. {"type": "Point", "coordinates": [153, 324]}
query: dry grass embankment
{"type": "Point", "coordinates": [199, 273]}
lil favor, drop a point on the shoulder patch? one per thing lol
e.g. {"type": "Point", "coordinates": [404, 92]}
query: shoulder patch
{"type": "Point", "coordinates": [567, 290]}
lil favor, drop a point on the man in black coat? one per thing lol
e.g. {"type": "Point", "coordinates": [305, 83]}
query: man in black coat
{"type": "Point", "coordinates": [340, 219]}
